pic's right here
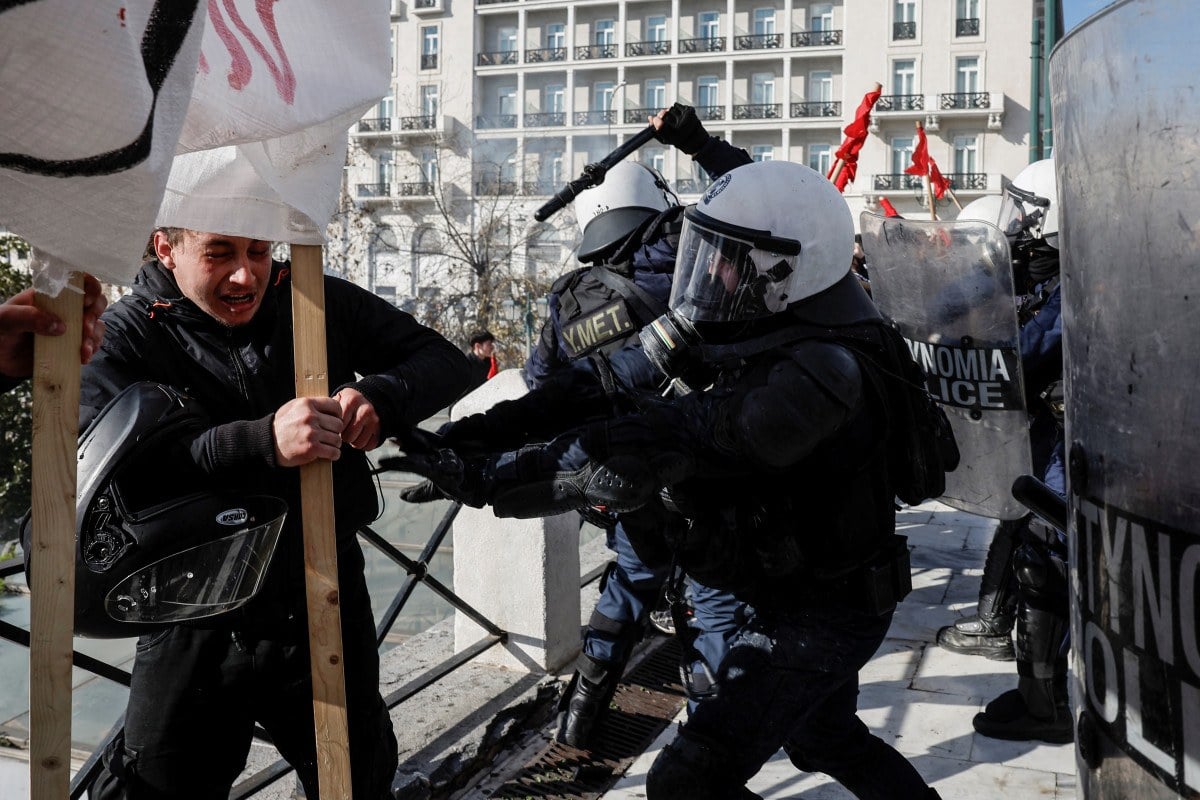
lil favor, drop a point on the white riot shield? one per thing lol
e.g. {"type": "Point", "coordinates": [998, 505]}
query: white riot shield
{"type": "Point", "coordinates": [949, 288]}
{"type": "Point", "coordinates": [1126, 106]}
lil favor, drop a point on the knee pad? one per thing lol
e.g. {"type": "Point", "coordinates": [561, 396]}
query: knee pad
{"type": "Point", "coordinates": [1040, 572]}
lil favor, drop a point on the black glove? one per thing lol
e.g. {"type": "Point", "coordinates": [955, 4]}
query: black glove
{"type": "Point", "coordinates": [424, 492]}
{"type": "Point", "coordinates": [451, 476]}
{"type": "Point", "coordinates": [682, 128]}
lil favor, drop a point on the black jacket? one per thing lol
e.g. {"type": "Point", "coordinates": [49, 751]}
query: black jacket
{"type": "Point", "coordinates": [240, 376]}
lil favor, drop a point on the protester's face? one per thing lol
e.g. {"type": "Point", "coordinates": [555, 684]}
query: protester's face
{"type": "Point", "coordinates": [226, 276]}
{"type": "Point", "coordinates": [485, 349]}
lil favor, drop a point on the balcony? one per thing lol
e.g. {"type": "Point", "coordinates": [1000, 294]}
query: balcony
{"type": "Point", "coordinates": [421, 123]}
{"type": "Point", "coordinates": [424, 7]}
{"type": "Point", "coordinates": [714, 44]}
{"type": "Point", "coordinates": [968, 181]}
{"type": "Point", "coordinates": [690, 186]}
{"type": "Point", "coordinates": [947, 102]}
{"type": "Point", "coordinates": [660, 47]}
{"type": "Point", "coordinates": [966, 26]}
{"type": "Point", "coordinates": [817, 109]}
{"type": "Point", "coordinates": [758, 111]}
{"type": "Point", "coordinates": [492, 2]}
{"type": "Point", "coordinates": [496, 58]}
{"type": "Point", "coordinates": [538, 188]}
{"type": "Point", "coordinates": [816, 38]}
{"type": "Point", "coordinates": [493, 187]}
{"type": "Point", "coordinates": [638, 116]}
{"type": "Point", "coordinates": [595, 117]}
{"type": "Point", "coordinates": [429, 60]}
{"type": "Point", "coordinates": [415, 189]}
{"type": "Point", "coordinates": [589, 51]}
{"type": "Point", "coordinates": [758, 41]}
{"type": "Point", "coordinates": [545, 54]}
{"type": "Point", "coordinates": [901, 102]}
{"type": "Point", "coordinates": [897, 181]}
{"type": "Point", "coordinates": [544, 119]}
{"type": "Point", "coordinates": [375, 125]}
{"type": "Point", "coordinates": [496, 121]}
{"type": "Point", "coordinates": [372, 190]}
{"type": "Point", "coordinates": [904, 30]}
{"type": "Point", "coordinates": [706, 113]}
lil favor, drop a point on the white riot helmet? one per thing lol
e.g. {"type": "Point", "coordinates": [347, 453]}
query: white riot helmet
{"type": "Point", "coordinates": [763, 236]}
{"type": "Point", "coordinates": [1031, 203]}
{"type": "Point", "coordinates": [982, 209]}
{"type": "Point", "coordinates": [630, 194]}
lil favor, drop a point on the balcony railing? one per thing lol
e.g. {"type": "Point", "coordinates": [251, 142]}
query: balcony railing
{"type": "Point", "coordinates": [415, 189]}
{"type": "Point", "coordinates": [589, 51]}
{"type": "Point", "coordinates": [827, 108]}
{"type": "Point", "coordinates": [901, 102]}
{"type": "Point", "coordinates": [541, 119]}
{"type": "Point", "coordinates": [421, 123]}
{"type": "Point", "coordinates": [757, 41]}
{"type": "Point", "coordinates": [904, 30]}
{"type": "Point", "coordinates": [490, 2]}
{"type": "Point", "coordinates": [758, 111]}
{"type": "Point", "coordinates": [492, 187]}
{"type": "Point", "coordinates": [426, 4]}
{"type": "Point", "coordinates": [494, 58]}
{"type": "Point", "coordinates": [968, 181]}
{"type": "Point", "coordinates": [897, 180]}
{"type": "Point", "coordinates": [966, 26]}
{"type": "Point", "coordinates": [536, 188]}
{"type": "Point", "coordinates": [545, 54]}
{"type": "Point", "coordinates": [496, 121]}
{"type": "Point", "coordinates": [690, 186]}
{"type": "Point", "coordinates": [659, 47]}
{"type": "Point", "coordinates": [816, 38]}
{"type": "Point", "coordinates": [429, 60]}
{"type": "Point", "coordinates": [373, 189]}
{"type": "Point", "coordinates": [710, 112]}
{"type": "Point", "coordinates": [965, 100]}
{"type": "Point", "coordinates": [375, 125]}
{"type": "Point", "coordinates": [596, 117]}
{"type": "Point", "coordinates": [634, 116]}
{"type": "Point", "coordinates": [712, 44]}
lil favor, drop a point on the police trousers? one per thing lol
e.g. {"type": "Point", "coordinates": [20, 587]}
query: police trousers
{"type": "Point", "coordinates": [196, 695]}
{"type": "Point", "coordinates": [791, 681]}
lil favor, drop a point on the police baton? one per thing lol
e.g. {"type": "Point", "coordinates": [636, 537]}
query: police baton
{"type": "Point", "coordinates": [593, 174]}
{"type": "Point", "coordinates": [1043, 501]}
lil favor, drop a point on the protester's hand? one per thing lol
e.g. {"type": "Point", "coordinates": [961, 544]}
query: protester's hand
{"type": "Point", "coordinates": [20, 319]}
{"type": "Point", "coordinates": [361, 427]}
{"type": "Point", "coordinates": [424, 492]}
{"type": "Point", "coordinates": [306, 429]}
{"type": "Point", "coordinates": [679, 126]}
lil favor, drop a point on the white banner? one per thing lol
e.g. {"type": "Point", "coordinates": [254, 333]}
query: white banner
{"type": "Point", "coordinates": [94, 96]}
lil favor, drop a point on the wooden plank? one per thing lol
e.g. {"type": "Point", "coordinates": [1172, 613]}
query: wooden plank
{"type": "Point", "coordinates": [320, 545]}
{"type": "Point", "coordinates": [55, 433]}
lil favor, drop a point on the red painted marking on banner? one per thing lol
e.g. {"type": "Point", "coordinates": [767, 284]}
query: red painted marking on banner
{"type": "Point", "coordinates": [239, 67]}
{"type": "Point", "coordinates": [121, 15]}
{"type": "Point", "coordinates": [285, 78]}
{"type": "Point", "coordinates": [203, 64]}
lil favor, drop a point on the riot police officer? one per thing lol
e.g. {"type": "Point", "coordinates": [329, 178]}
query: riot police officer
{"type": "Point", "coordinates": [775, 486]}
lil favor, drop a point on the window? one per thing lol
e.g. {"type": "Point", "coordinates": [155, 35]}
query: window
{"type": "Point", "coordinates": [706, 91]}
{"type": "Point", "coordinates": [387, 107]}
{"type": "Point", "coordinates": [656, 93]}
{"type": "Point", "coordinates": [507, 101]}
{"type": "Point", "coordinates": [764, 21]}
{"type": "Point", "coordinates": [508, 170]}
{"type": "Point", "coordinates": [506, 40]}
{"type": "Point", "coordinates": [429, 47]}
{"type": "Point", "coordinates": [821, 17]}
{"type": "Point", "coordinates": [762, 88]}
{"type": "Point", "coordinates": [429, 166]}
{"type": "Point", "coordinates": [385, 169]}
{"type": "Point", "coordinates": [556, 36]}
{"type": "Point", "coordinates": [966, 154]}
{"type": "Point", "coordinates": [905, 11]}
{"type": "Point", "coordinates": [820, 157]}
{"type": "Point", "coordinates": [392, 50]}
{"type": "Point", "coordinates": [552, 99]}
{"type": "Point", "coordinates": [551, 169]}
{"type": "Point", "coordinates": [966, 75]}
{"type": "Point", "coordinates": [708, 25]}
{"type": "Point", "coordinates": [429, 101]}
{"type": "Point", "coordinates": [655, 157]}
{"type": "Point", "coordinates": [904, 76]}
{"type": "Point", "coordinates": [762, 152]}
{"type": "Point", "coordinates": [904, 19]}
{"type": "Point", "coordinates": [427, 259]}
{"type": "Point", "coordinates": [967, 9]}
{"type": "Point", "coordinates": [602, 95]}
{"type": "Point", "coordinates": [656, 29]}
{"type": "Point", "coordinates": [820, 87]}
{"type": "Point", "coordinates": [605, 31]}
{"type": "Point", "coordinates": [902, 148]}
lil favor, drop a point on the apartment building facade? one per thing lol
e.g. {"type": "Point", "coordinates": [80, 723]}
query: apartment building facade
{"type": "Point", "coordinates": [506, 100]}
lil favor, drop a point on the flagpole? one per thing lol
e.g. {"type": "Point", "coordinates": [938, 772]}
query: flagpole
{"type": "Point", "coordinates": [52, 581]}
{"type": "Point", "coordinates": [926, 183]}
{"type": "Point", "coordinates": [331, 727]}
{"type": "Point", "coordinates": [954, 197]}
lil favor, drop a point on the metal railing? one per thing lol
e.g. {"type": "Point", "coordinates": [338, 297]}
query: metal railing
{"type": "Point", "coordinates": [758, 111]}
{"type": "Point", "coordinates": [415, 189]}
{"type": "Point", "coordinates": [590, 51]}
{"type": "Point", "coordinates": [493, 187]}
{"type": "Point", "coordinates": [897, 180]}
{"type": "Point", "coordinates": [690, 186]}
{"type": "Point", "coordinates": [816, 38]}
{"type": "Point", "coordinates": [904, 30]}
{"type": "Point", "coordinates": [757, 41]}
{"type": "Point", "coordinates": [419, 123]}
{"type": "Point", "coordinates": [495, 58]}
{"type": "Point", "coordinates": [496, 121]}
{"type": "Point", "coordinates": [429, 60]}
{"type": "Point", "coordinates": [373, 190]}
{"type": "Point", "coordinates": [826, 108]}
{"type": "Point", "coordinates": [657, 47]}
{"type": "Point", "coordinates": [710, 112]}
{"type": "Point", "coordinates": [965, 100]}
{"type": "Point", "coordinates": [634, 116]}
{"type": "Point", "coordinates": [545, 119]}
{"type": "Point", "coordinates": [711, 44]}
{"type": "Point", "coordinates": [966, 26]}
{"type": "Point", "coordinates": [544, 54]}
{"type": "Point", "coordinates": [607, 117]}
{"type": "Point", "coordinates": [901, 102]}
{"type": "Point", "coordinates": [968, 181]}
{"type": "Point", "coordinates": [375, 125]}
{"type": "Point", "coordinates": [426, 3]}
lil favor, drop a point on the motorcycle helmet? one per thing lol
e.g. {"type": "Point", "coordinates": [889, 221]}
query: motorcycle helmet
{"type": "Point", "coordinates": [1030, 208]}
{"type": "Point", "coordinates": [763, 236]}
{"type": "Point", "coordinates": [609, 212]}
{"type": "Point", "coordinates": [982, 209]}
{"type": "Point", "coordinates": [155, 545]}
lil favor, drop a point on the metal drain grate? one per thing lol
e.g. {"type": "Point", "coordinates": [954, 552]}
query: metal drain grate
{"type": "Point", "coordinates": [646, 701]}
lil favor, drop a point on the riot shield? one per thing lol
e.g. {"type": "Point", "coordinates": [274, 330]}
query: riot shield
{"type": "Point", "coordinates": [949, 288]}
{"type": "Point", "coordinates": [1126, 106]}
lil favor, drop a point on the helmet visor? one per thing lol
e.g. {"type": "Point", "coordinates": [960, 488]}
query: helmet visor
{"type": "Point", "coordinates": [1021, 211]}
{"type": "Point", "coordinates": [719, 275]}
{"type": "Point", "coordinates": [202, 581]}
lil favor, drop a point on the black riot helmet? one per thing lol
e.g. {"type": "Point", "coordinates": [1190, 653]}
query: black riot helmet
{"type": "Point", "coordinates": [155, 545]}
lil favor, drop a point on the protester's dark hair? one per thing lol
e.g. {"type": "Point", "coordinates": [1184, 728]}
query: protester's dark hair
{"type": "Point", "coordinates": [480, 336]}
{"type": "Point", "coordinates": [174, 236]}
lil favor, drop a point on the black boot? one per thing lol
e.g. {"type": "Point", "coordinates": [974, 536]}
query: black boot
{"type": "Point", "coordinates": [1035, 711]}
{"type": "Point", "coordinates": [988, 633]}
{"type": "Point", "coordinates": [586, 701]}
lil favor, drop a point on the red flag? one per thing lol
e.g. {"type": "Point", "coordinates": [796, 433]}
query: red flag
{"type": "Point", "coordinates": [938, 181]}
{"type": "Point", "coordinates": [888, 209]}
{"type": "Point", "coordinates": [856, 136]}
{"type": "Point", "coordinates": [920, 155]}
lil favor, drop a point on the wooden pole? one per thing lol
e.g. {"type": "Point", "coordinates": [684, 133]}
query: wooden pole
{"type": "Point", "coordinates": [320, 545]}
{"type": "Point", "coordinates": [954, 197]}
{"type": "Point", "coordinates": [52, 584]}
{"type": "Point", "coordinates": [835, 170]}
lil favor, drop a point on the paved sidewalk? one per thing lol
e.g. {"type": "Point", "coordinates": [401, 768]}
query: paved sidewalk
{"type": "Point", "coordinates": [921, 698]}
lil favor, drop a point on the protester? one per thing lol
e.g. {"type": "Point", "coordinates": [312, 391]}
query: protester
{"type": "Point", "coordinates": [211, 317]}
{"type": "Point", "coordinates": [773, 482]}
{"type": "Point", "coordinates": [20, 319]}
{"type": "Point", "coordinates": [482, 356]}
